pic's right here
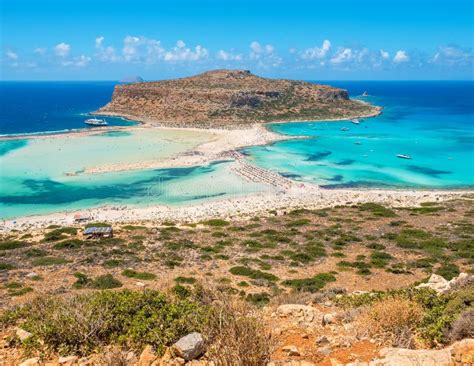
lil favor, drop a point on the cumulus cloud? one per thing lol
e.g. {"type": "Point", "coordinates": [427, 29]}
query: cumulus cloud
{"type": "Point", "coordinates": [62, 49]}
{"type": "Point", "coordinates": [384, 54]}
{"type": "Point", "coordinates": [228, 56]}
{"type": "Point", "coordinates": [401, 56]}
{"type": "Point", "coordinates": [105, 53]}
{"type": "Point", "coordinates": [343, 55]}
{"type": "Point", "coordinates": [265, 55]}
{"type": "Point", "coordinates": [182, 53]}
{"type": "Point", "coordinates": [80, 61]}
{"type": "Point", "coordinates": [317, 52]}
{"type": "Point", "coordinates": [11, 55]}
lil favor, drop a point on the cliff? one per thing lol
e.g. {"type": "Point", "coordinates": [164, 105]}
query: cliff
{"type": "Point", "coordinates": [231, 97]}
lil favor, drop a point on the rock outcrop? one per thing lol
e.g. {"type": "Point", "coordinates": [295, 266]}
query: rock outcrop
{"type": "Point", "coordinates": [231, 97]}
{"type": "Point", "coordinates": [443, 286]}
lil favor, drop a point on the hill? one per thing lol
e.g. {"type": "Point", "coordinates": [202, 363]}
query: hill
{"type": "Point", "coordinates": [231, 97]}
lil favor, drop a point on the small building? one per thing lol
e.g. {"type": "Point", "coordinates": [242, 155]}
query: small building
{"type": "Point", "coordinates": [95, 232]}
{"type": "Point", "coordinates": [81, 218]}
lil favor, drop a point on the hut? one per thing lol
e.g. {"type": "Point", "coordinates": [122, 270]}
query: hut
{"type": "Point", "coordinates": [81, 217]}
{"type": "Point", "coordinates": [95, 232]}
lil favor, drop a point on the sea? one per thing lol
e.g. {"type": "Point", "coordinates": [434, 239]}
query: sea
{"type": "Point", "coordinates": [432, 122]}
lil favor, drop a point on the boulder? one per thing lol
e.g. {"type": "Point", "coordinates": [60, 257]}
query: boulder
{"type": "Point", "coordinates": [410, 357]}
{"type": "Point", "coordinates": [30, 362]}
{"type": "Point", "coordinates": [300, 313]}
{"type": "Point", "coordinates": [147, 357]}
{"type": "Point", "coordinates": [443, 286]}
{"type": "Point", "coordinates": [22, 334]}
{"type": "Point", "coordinates": [291, 350]}
{"type": "Point", "coordinates": [68, 360]}
{"type": "Point", "coordinates": [190, 346]}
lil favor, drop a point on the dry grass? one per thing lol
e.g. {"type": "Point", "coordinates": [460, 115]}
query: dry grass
{"type": "Point", "coordinates": [392, 321]}
{"type": "Point", "coordinates": [236, 336]}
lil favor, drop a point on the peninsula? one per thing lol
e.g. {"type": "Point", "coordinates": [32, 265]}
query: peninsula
{"type": "Point", "coordinates": [227, 98]}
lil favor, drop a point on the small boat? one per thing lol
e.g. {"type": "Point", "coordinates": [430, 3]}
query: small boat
{"type": "Point", "coordinates": [357, 143]}
{"type": "Point", "coordinates": [355, 121]}
{"type": "Point", "coordinates": [344, 129]}
{"type": "Point", "coordinates": [96, 122]}
{"type": "Point", "coordinates": [401, 156]}
{"type": "Point", "coordinates": [365, 94]}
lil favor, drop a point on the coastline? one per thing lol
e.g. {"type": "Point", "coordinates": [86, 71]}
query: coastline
{"type": "Point", "coordinates": [298, 196]}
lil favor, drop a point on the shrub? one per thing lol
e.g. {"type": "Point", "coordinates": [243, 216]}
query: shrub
{"type": "Point", "coordinates": [215, 222]}
{"type": "Point", "coordinates": [377, 210]}
{"type": "Point", "coordinates": [448, 270]}
{"type": "Point", "coordinates": [81, 323]}
{"type": "Point", "coordinates": [103, 282]}
{"type": "Point", "coordinates": [393, 321]}
{"type": "Point", "coordinates": [235, 336]}
{"type": "Point", "coordinates": [312, 284]}
{"type": "Point", "coordinates": [259, 299]}
{"type": "Point", "coordinates": [12, 244]}
{"type": "Point", "coordinates": [6, 266]}
{"type": "Point", "coordinates": [58, 234]}
{"type": "Point", "coordinates": [463, 327]}
{"type": "Point", "coordinates": [98, 224]}
{"type": "Point", "coordinates": [188, 280]}
{"type": "Point", "coordinates": [35, 252]}
{"type": "Point", "coordinates": [68, 244]}
{"type": "Point", "coordinates": [138, 275]}
{"type": "Point", "coordinates": [254, 274]}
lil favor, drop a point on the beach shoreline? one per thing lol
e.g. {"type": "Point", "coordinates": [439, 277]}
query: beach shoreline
{"type": "Point", "coordinates": [277, 202]}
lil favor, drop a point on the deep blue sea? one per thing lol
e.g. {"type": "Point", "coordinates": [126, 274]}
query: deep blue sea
{"type": "Point", "coordinates": [31, 107]}
{"type": "Point", "coordinates": [433, 122]}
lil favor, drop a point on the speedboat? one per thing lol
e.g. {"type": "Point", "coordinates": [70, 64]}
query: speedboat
{"type": "Point", "coordinates": [365, 94]}
{"type": "Point", "coordinates": [357, 143]}
{"type": "Point", "coordinates": [401, 156]}
{"type": "Point", "coordinates": [355, 121]}
{"type": "Point", "coordinates": [344, 129]}
{"type": "Point", "coordinates": [96, 122]}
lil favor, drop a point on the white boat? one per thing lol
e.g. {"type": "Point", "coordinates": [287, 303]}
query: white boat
{"type": "Point", "coordinates": [355, 121]}
{"type": "Point", "coordinates": [96, 122]}
{"type": "Point", "coordinates": [357, 143]}
{"type": "Point", "coordinates": [401, 156]}
{"type": "Point", "coordinates": [344, 129]}
{"type": "Point", "coordinates": [365, 94]}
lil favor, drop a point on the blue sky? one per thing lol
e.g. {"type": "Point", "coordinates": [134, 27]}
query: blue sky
{"type": "Point", "coordinates": [316, 40]}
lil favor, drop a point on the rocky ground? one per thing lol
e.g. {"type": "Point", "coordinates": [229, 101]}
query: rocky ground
{"type": "Point", "coordinates": [296, 270]}
{"type": "Point", "coordinates": [223, 98]}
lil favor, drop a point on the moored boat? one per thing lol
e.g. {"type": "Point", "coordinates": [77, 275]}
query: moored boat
{"type": "Point", "coordinates": [402, 156]}
{"type": "Point", "coordinates": [95, 122]}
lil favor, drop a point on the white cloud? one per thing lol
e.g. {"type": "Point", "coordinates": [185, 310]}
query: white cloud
{"type": "Point", "coordinates": [130, 47]}
{"type": "Point", "coordinates": [401, 56]}
{"type": "Point", "coordinates": [342, 56]}
{"type": "Point", "coordinates": [384, 54]}
{"type": "Point", "coordinates": [317, 52]}
{"type": "Point", "coordinates": [451, 56]}
{"type": "Point", "coordinates": [62, 49]}
{"type": "Point", "coordinates": [181, 53]}
{"type": "Point", "coordinates": [80, 61]}
{"type": "Point", "coordinates": [228, 56]}
{"type": "Point", "coordinates": [105, 54]}
{"type": "Point", "coordinates": [99, 41]}
{"type": "Point", "coordinates": [264, 54]}
{"type": "Point", "coordinates": [11, 55]}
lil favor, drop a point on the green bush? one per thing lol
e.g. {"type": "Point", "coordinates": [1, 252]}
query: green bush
{"type": "Point", "coordinates": [12, 244]}
{"type": "Point", "coordinates": [187, 280]}
{"type": "Point", "coordinates": [254, 274]}
{"type": "Point", "coordinates": [82, 323]}
{"type": "Point", "coordinates": [312, 284]}
{"type": "Point", "coordinates": [6, 266]}
{"type": "Point", "coordinates": [69, 244]}
{"type": "Point", "coordinates": [377, 210]}
{"type": "Point", "coordinates": [448, 271]}
{"type": "Point", "coordinates": [138, 275]}
{"type": "Point", "coordinates": [48, 261]}
{"type": "Point", "coordinates": [215, 222]}
{"type": "Point", "coordinates": [59, 234]}
{"type": "Point", "coordinates": [103, 282]}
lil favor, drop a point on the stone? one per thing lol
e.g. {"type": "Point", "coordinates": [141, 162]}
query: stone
{"type": "Point", "coordinates": [22, 334]}
{"type": "Point", "coordinates": [30, 362]}
{"type": "Point", "coordinates": [443, 286]}
{"type": "Point", "coordinates": [410, 357]}
{"type": "Point", "coordinates": [301, 313]}
{"type": "Point", "coordinates": [329, 319]}
{"type": "Point", "coordinates": [322, 340]}
{"type": "Point", "coordinates": [31, 275]}
{"type": "Point", "coordinates": [325, 350]}
{"type": "Point", "coordinates": [68, 360]}
{"type": "Point", "coordinates": [291, 350]}
{"type": "Point", "coordinates": [147, 356]}
{"type": "Point", "coordinates": [190, 346]}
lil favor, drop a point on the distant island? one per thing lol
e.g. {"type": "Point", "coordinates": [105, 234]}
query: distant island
{"type": "Point", "coordinates": [222, 98]}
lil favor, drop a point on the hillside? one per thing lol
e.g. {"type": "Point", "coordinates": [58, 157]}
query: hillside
{"type": "Point", "coordinates": [231, 97]}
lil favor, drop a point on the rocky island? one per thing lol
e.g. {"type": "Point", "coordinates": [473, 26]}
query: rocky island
{"type": "Point", "coordinates": [231, 97]}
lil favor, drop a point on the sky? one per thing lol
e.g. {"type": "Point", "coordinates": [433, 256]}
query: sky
{"type": "Point", "coordinates": [312, 40]}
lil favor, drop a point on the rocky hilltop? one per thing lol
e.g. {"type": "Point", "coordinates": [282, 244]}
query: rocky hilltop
{"type": "Point", "coordinates": [231, 97]}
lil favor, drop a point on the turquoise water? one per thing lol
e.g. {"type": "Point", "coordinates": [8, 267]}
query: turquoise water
{"type": "Point", "coordinates": [433, 122]}
{"type": "Point", "coordinates": [36, 173]}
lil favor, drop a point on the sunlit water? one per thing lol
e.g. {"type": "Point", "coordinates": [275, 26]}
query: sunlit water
{"type": "Point", "coordinates": [432, 122]}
